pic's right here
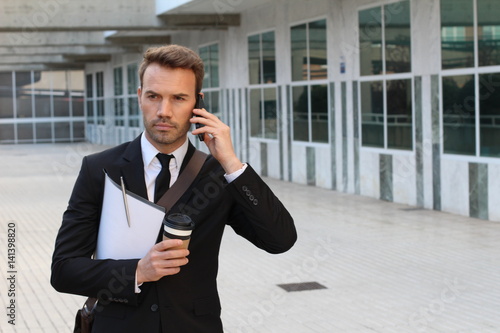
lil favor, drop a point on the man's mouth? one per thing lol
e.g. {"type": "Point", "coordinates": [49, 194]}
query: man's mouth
{"type": "Point", "coordinates": [163, 126]}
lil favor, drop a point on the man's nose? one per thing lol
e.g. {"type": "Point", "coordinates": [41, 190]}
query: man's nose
{"type": "Point", "coordinates": [165, 109]}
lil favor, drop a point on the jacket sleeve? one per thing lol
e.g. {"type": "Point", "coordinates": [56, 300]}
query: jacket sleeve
{"type": "Point", "coordinates": [73, 269]}
{"type": "Point", "coordinates": [259, 215]}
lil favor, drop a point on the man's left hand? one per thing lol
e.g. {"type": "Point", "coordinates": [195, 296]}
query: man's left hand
{"type": "Point", "coordinates": [218, 139]}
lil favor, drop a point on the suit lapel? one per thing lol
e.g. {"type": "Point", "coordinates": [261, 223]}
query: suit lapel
{"type": "Point", "coordinates": [132, 168]}
{"type": "Point", "coordinates": [189, 154]}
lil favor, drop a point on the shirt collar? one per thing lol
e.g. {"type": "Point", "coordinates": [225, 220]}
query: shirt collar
{"type": "Point", "coordinates": [149, 152]}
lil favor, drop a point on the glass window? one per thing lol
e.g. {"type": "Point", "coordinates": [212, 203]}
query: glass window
{"type": "Point", "coordinates": [99, 85]}
{"type": "Point", "coordinates": [89, 93]}
{"type": "Point", "coordinates": [42, 86]}
{"type": "Point", "coordinates": [488, 26]}
{"type": "Point", "coordinates": [372, 114]}
{"type": "Point", "coordinates": [397, 120]}
{"type": "Point", "coordinates": [489, 106]}
{"type": "Point", "coordinates": [256, 129]}
{"type": "Point", "coordinates": [60, 93]}
{"type": "Point", "coordinates": [41, 96]}
{"type": "Point", "coordinates": [210, 56]}
{"type": "Point", "coordinates": [254, 73]}
{"type": "Point", "coordinates": [119, 111]}
{"type": "Point", "coordinates": [385, 28]}
{"type": "Point", "coordinates": [211, 100]}
{"type": "Point", "coordinates": [43, 132]}
{"type": "Point", "coordinates": [261, 58]}
{"type": "Point", "coordinates": [471, 100]}
{"type": "Point", "coordinates": [25, 132]}
{"type": "Point", "coordinates": [205, 56]}
{"type": "Point", "coordinates": [457, 33]}
{"type": "Point", "coordinates": [319, 113]}
{"type": "Point", "coordinates": [370, 41]}
{"type": "Point", "coordinates": [397, 35]}
{"type": "Point", "coordinates": [299, 52]}
{"type": "Point", "coordinates": [399, 114]}
{"type": "Point", "coordinates": [118, 81]}
{"type": "Point", "coordinates": [269, 113]}
{"type": "Point", "coordinates": [386, 104]}
{"type": "Point", "coordinates": [7, 133]}
{"type": "Point", "coordinates": [118, 100]}
{"type": "Point", "coordinates": [77, 104]}
{"type": "Point", "coordinates": [309, 63]}
{"type": "Point", "coordinates": [300, 113]}
{"type": "Point", "coordinates": [309, 54]}
{"type": "Point", "coordinates": [62, 131]}
{"type": "Point", "coordinates": [6, 101]}
{"type": "Point", "coordinates": [263, 115]}
{"type": "Point", "coordinates": [24, 95]}
{"type": "Point", "coordinates": [459, 115]}
{"type": "Point", "coordinates": [268, 57]}
{"type": "Point", "coordinates": [78, 130]}
{"type": "Point", "coordinates": [133, 105]}
{"type": "Point", "coordinates": [133, 111]}
{"type": "Point", "coordinates": [214, 65]}
{"type": "Point", "coordinates": [317, 51]}
{"type": "Point", "coordinates": [132, 79]}
{"type": "Point", "coordinates": [262, 70]}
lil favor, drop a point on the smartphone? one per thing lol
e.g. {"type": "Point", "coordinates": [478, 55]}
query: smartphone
{"type": "Point", "coordinates": [200, 104]}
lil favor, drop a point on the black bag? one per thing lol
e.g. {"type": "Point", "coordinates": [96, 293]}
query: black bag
{"type": "Point", "coordinates": [85, 316]}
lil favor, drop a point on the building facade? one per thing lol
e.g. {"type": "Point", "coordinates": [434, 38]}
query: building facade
{"type": "Point", "coordinates": [396, 100]}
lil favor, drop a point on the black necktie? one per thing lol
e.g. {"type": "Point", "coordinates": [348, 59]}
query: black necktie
{"type": "Point", "coordinates": [162, 182]}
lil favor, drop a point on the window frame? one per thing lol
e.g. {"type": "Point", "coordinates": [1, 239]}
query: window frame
{"type": "Point", "coordinates": [209, 91]}
{"type": "Point", "coordinates": [130, 93]}
{"type": "Point", "coordinates": [308, 83]}
{"type": "Point", "coordinates": [384, 78]}
{"type": "Point", "coordinates": [119, 120]}
{"type": "Point", "coordinates": [261, 86]}
{"type": "Point", "coordinates": [475, 71]}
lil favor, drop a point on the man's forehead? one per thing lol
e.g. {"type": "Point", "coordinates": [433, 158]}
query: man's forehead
{"type": "Point", "coordinates": [157, 77]}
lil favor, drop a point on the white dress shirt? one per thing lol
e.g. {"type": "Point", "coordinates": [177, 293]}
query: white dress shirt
{"type": "Point", "coordinates": [152, 165]}
{"type": "Point", "coordinates": [152, 168]}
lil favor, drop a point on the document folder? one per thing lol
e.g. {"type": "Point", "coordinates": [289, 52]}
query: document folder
{"type": "Point", "coordinates": [118, 240]}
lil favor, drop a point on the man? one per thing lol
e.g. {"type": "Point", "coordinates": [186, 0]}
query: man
{"type": "Point", "coordinates": [168, 290]}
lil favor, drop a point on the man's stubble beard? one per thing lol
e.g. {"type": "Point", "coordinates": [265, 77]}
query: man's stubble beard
{"type": "Point", "coordinates": [166, 138]}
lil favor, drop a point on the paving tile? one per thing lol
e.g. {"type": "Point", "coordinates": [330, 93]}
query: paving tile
{"type": "Point", "coordinates": [386, 268]}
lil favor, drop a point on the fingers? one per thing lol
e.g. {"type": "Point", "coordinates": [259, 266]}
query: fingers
{"type": "Point", "coordinates": [162, 260]}
{"type": "Point", "coordinates": [212, 125]}
{"type": "Point", "coordinates": [167, 244]}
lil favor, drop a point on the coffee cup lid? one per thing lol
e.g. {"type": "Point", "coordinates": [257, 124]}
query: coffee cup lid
{"type": "Point", "coordinates": [178, 221]}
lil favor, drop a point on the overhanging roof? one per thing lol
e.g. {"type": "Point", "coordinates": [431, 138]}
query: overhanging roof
{"type": "Point", "coordinates": [70, 33]}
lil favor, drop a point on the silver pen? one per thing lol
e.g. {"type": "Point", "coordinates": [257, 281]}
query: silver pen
{"type": "Point", "coordinates": [125, 202]}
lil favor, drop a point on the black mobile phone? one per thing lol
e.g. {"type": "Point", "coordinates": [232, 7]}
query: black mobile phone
{"type": "Point", "coordinates": [200, 104]}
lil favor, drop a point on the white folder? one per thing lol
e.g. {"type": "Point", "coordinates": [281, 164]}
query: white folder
{"type": "Point", "coordinates": [118, 240]}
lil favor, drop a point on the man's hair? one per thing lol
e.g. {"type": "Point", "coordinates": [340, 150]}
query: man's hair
{"type": "Point", "coordinates": [174, 56]}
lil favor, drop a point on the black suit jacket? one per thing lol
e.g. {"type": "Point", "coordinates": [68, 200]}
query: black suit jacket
{"type": "Point", "coordinates": [185, 302]}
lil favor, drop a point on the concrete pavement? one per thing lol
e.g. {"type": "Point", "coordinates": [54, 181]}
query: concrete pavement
{"type": "Point", "coordinates": [386, 267]}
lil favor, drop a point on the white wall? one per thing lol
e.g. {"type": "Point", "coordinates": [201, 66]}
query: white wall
{"type": "Point", "coordinates": [342, 25]}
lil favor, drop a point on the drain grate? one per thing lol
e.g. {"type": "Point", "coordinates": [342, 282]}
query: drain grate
{"type": "Point", "coordinates": [411, 209]}
{"type": "Point", "coordinates": [301, 286]}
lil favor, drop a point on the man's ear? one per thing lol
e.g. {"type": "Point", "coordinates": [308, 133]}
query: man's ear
{"type": "Point", "coordinates": [139, 92]}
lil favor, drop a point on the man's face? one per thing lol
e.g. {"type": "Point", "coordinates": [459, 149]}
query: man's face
{"type": "Point", "coordinates": [167, 99]}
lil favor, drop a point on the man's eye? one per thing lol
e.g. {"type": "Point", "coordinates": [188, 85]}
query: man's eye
{"type": "Point", "coordinates": [152, 96]}
{"type": "Point", "coordinates": [179, 98]}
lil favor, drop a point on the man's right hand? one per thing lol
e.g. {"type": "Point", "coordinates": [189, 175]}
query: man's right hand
{"type": "Point", "coordinates": [161, 260]}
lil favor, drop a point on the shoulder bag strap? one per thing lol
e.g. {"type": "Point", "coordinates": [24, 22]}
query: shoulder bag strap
{"type": "Point", "coordinates": [185, 179]}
